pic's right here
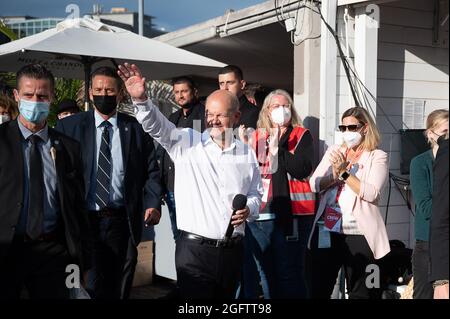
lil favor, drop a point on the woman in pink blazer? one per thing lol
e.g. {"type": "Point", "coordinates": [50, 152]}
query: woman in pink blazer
{"type": "Point", "coordinates": [348, 228]}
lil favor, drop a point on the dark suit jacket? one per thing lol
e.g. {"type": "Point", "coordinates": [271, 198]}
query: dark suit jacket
{"type": "Point", "coordinates": [439, 230]}
{"type": "Point", "coordinates": [71, 191]}
{"type": "Point", "coordinates": [249, 113]}
{"type": "Point", "coordinates": [142, 187]}
{"type": "Point", "coordinates": [198, 113]}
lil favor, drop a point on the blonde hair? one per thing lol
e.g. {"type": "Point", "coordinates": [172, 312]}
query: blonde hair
{"type": "Point", "coordinates": [435, 119]}
{"type": "Point", "coordinates": [371, 139]}
{"type": "Point", "coordinates": [264, 118]}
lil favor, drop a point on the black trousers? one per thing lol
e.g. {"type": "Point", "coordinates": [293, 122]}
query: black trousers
{"type": "Point", "coordinates": [114, 258]}
{"type": "Point", "coordinates": [423, 289]}
{"type": "Point", "coordinates": [207, 272]}
{"type": "Point", "coordinates": [350, 251]}
{"type": "Point", "coordinates": [38, 266]}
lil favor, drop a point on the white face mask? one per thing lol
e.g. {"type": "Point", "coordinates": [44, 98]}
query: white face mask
{"type": "Point", "coordinates": [4, 118]}
{"type": "Point", "coordinates": [281, 115]}
{"type": "Point", "coordinates": [351, 139]}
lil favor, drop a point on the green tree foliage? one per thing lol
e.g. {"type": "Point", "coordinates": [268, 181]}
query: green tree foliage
{"type": "Point", "coordinates": [64, 89]}
{"type": "Point", "coordinates": [7, 31]}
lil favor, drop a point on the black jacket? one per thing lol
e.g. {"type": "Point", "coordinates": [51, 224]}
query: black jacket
{"type": "Point", "coordinates": [298, 165]}
{"type": "Point", "coordinates": [71, 191]}
{"type": "Point", "coordinates": [142, 188]}
{"type": "Point", "coordinates": [439, 230]}
{"type": "Point", "coordinates": [249, 113]}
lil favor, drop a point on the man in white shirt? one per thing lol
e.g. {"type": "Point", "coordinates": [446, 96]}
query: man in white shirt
{"type": "Point", "coordinates": [215, 167]}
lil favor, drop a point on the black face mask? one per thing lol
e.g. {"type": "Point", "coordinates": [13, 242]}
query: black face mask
{"type": "Point", "coordinates": [105, 104]}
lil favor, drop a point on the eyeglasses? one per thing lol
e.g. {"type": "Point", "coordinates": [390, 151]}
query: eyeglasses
{"type": "Point", "coordinates": [351, 128]}
{"type": "Point", "coordinates": [221, 117]}
{"type": "Point", "coordinates": [443, 132]}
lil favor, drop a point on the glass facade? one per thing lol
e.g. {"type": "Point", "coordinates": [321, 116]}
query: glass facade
{"type": "Point", "coordinates": [30, 27]}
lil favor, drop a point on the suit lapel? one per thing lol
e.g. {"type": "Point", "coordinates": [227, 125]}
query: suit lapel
{"type": "Point", "coordinates": [17, 154]}
{"type": "Point", "coordinates": [88, 140]}
{"type": "Point", "coordinates": [125, 138]}
{"type": "Point", "coordinates": [365, 157]}
{"type": "Point", "coordinates": [347, 199]}
{"type": "Point", "coordinates": [58, 156]}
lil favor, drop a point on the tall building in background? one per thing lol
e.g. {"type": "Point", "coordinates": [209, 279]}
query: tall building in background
{"type": "Point", "coordinates": [25, 26]}
{"type": "Point", "coordinates": [122, 18]}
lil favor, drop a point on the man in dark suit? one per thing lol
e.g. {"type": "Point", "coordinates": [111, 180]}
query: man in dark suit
{"type": "Point", "coordinates": [231, 79]}
{"type": "Point", "coordinates": [122, 182]}
{"type": "Point", "coordinates": [44, 226]}
{"type": "Point", "coordinates": [192, 115]}
{"type": "Point", "coordinates": [439, 228]}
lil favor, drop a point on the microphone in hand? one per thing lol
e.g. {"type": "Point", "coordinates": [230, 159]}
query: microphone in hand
{"type": "Point", "coordinates": [239, 202]}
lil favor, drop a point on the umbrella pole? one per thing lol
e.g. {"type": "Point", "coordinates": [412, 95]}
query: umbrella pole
{"type": "Point", "coordinates": [87, 62]}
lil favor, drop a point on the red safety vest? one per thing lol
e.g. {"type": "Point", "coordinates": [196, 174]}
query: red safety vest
{"type": "Point", "coordinates": [303, 200]}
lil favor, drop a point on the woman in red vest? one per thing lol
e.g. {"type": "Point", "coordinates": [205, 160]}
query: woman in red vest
{"type": "Point", "coordinates": [276, 242]}
{"type": "Point", "coordinates": [348, 228]}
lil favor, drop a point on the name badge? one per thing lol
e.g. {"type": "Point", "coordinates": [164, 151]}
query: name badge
{"type": "Point", "coordinates": [332, 220]}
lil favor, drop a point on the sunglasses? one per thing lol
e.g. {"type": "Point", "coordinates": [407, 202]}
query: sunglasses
{"type": "Point", "coordinates": [351, 128]}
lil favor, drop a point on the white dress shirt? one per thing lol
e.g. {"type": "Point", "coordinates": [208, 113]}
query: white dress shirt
{"type": "Point", "coordinates": [206, 177]}
{"type": "Point", "coordinates": [116, 190]}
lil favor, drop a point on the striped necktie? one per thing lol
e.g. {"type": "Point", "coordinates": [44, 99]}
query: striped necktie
{"type": "Point", "coordinates": [104, 169]}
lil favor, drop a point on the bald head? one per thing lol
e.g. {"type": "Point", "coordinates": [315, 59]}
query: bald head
{"type": "Point", "coordinates": [222, 112]}
{"type": "Point", "coordinates": [225, 99]}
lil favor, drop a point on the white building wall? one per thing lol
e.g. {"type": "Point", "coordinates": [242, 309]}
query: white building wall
{"type": "Point", "coordinates": [410, 66]}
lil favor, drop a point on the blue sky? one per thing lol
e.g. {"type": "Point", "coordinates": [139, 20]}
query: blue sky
{"type": "Point", "coordinates": [169, 14]}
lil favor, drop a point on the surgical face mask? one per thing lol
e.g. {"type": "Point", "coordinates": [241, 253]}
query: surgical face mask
{"type": "Point", "coordinates": [351, 139]}
{"type": "Point", "coordinates": [4, 118]}
{"type": "Point", "coordinates": [281, 115]}
{"type": "Point", "coordinates": [34, 112]}
{"type": "Point", "coordinates": [105, 104]}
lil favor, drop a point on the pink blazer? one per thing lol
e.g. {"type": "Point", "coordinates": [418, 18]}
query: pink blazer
{"type": "Point", "coordinates": [373, 173]}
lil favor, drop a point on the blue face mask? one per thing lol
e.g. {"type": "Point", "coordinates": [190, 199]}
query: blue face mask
{"type": "Point", "coordinates": [34, 112]}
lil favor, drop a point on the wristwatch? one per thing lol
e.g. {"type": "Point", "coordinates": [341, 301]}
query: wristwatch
{"type": "Point", "coordinates": [343, 176]}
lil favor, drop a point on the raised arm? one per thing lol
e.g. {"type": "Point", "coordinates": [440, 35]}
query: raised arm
{"type": "Point", "coordinates": [323, 176]}
{"type": "Point", "coordinates": [152, 120]}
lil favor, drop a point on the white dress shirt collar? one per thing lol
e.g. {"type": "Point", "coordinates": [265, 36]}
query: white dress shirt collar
{"type": "Point", "coordinates": [99, 120]}
{"type": "Point", "coordinates": [207, 139]}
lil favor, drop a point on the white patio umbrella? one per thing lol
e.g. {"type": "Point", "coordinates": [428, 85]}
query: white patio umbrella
{"type": "Point", "coordinates": [74, 46]}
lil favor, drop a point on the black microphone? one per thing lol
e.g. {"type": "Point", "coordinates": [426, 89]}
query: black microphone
{"type": "Point", "coordinates": [239, 202]}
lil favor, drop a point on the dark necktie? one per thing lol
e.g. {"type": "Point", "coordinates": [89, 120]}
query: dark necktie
{"type": "Point", "coordinates": [103, 169]}
{"type": "Point", "coordinates": [36, 191]}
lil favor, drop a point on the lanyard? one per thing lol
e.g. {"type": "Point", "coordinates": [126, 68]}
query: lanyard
{"type": "Point", "coordinates": [355, 158]}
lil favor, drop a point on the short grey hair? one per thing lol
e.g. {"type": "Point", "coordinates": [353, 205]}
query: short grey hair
{"type": "Point", "coordinates": [235, 104]}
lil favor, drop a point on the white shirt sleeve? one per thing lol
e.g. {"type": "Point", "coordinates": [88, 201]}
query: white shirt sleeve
{"type": "Point", "coordinates": [163, 131]}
